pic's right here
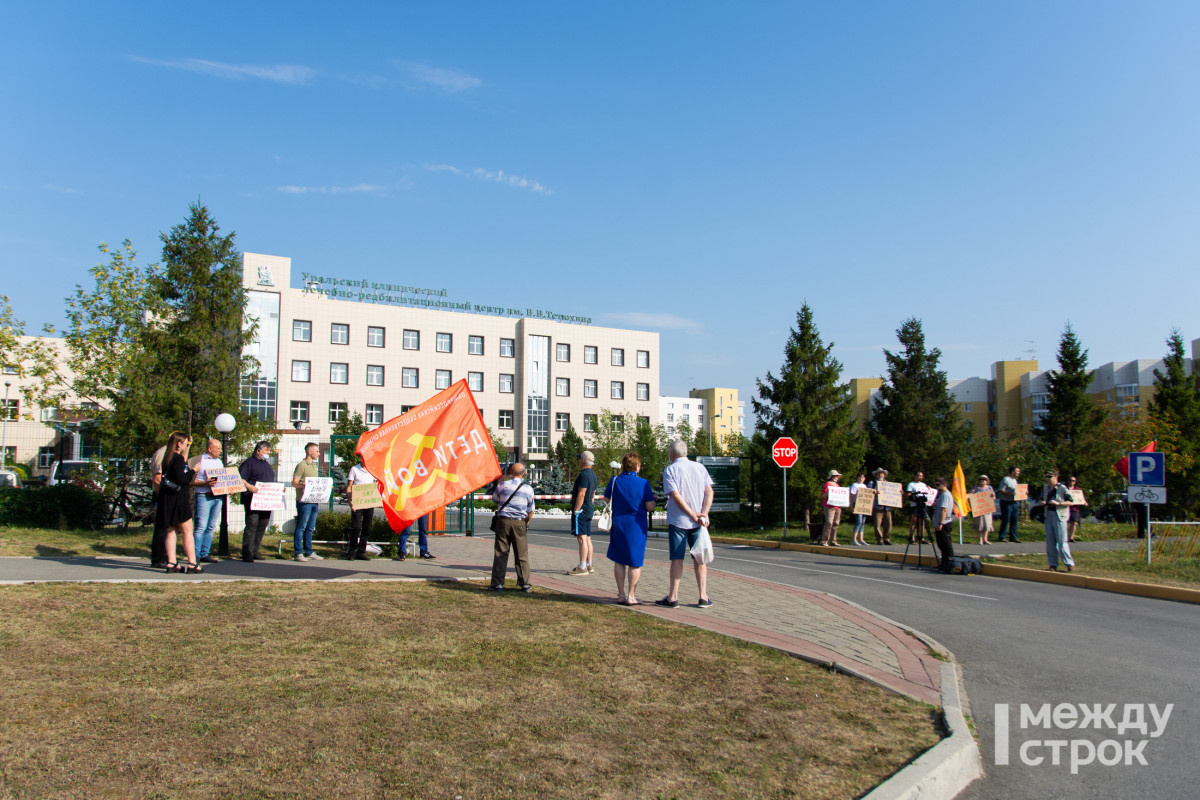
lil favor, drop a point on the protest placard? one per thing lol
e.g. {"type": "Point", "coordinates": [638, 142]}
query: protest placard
{"type": "Point", "coordinates": [864, 501]}
{"type": "Point", "coordinates": [1022, 492]}
{"type": "Point", "coordinates": [269, 497]}
{"type": "Point", "coordinates": [982, 504]}
{"type": "Point", "coordinates": [365, 495]}
{"type": "Point", "coordinates": [891, 494]}
{"type": "Point", "coordinates": [229, 480]}
{"type": "Point", "coordinates": [1077, 498]}
{"type": "Point", "coordinates": [839, 496]}
{"type": "Point", "coordinates": [317, 490]}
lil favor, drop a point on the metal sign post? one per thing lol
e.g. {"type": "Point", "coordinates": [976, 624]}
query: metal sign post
{"type": "Point", "coordinates": [785, 503]}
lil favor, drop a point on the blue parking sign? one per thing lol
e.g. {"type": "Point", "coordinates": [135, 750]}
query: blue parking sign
{"type": "Point", "coordinates": [1147, 469]}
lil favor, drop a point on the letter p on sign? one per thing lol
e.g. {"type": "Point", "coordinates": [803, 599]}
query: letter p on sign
{"type": "Point", "coordinates": [1147, 469]}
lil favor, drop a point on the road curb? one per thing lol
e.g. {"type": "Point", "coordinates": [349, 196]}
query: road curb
{"type": "Point", "coordinates": [949, 766]}
{"type": "Point", "coordinates": [1115, 585]}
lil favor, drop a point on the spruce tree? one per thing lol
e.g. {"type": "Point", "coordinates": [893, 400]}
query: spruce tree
{"type": "Point", "coordinates": [808, 402]}
{"type": "Point", "coordinates": [565, 454]}
{"type": "Point", "coordinates": [915, 424]}
{"type": "Point", "coordinates": [1072, 414]}
{"type": "Point", "coordinates": [1177, 400]}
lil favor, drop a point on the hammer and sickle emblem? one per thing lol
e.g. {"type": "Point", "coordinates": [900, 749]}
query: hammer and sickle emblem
{"type": "Point", "coordinates": [409, 490]}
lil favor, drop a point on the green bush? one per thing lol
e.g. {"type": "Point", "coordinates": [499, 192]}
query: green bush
{"type": "Point", "coordinates": [59, 507]}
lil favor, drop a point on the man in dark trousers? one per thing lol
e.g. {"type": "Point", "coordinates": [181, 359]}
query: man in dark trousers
{"type": "Point", "coordinates": [514, 508]}
{"type": "Point", "coordinates": [254, 470]}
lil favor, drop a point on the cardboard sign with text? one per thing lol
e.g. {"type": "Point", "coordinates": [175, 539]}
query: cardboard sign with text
{"type": "Point", "coordinates": [1077, 498]}
{"type": "Point", "coordinates": [228, 480]}
{"type": "Point", "coordinates": [1022, 492]}
{"type": "Point", "coordinates": [839, 496]}
{"type": "Point", "coordinates": [983, 504]}
{"type": "Point", "coordinates": [317, 490]}
{"type": "Point", "coordinates": [365, 495]}
{"type": "Point", "coordinates": [864, 501]}
{"type": "Point", "coordinates": [269, 497]}
{"type": "Point", "coordinates": [891, 494]}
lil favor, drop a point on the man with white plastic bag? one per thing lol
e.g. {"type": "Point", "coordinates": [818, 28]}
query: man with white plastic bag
{"type": "Point", "coordinates": [689, 490]}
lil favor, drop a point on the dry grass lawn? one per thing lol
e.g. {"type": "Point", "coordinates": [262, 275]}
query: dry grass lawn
{"type": "Point", "coordinates": [1124, 565]}
{"type": "Point", "coordinates": [440, 690]}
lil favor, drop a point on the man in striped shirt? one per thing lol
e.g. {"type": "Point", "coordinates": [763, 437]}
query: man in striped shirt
{"type": "Point", "coordinates": [512, 524]}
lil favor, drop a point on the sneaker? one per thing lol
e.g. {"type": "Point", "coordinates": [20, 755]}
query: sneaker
{"type": "Point", "coordinates": [299, 557]}
{"type": "Point", "coordinates": [577, 570]}
{"type": "Point", "coordinates": [704, 603]}
{"type": "Point", "coordinates": [495, 588]}
{"type": "Point", "coordinates": [210, 559]}
{"type": "Point", "coordinates": [667, 603]}
{"type": "Point", "coordinates": [428, 554]}
{"type": "Point", "coordinates": [527, 588]}
{"type": "Point", "coordinates": [315, 557]}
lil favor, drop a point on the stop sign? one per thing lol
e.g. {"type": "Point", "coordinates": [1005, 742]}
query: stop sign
{"type": "Point", "coordinates": [785, 452]}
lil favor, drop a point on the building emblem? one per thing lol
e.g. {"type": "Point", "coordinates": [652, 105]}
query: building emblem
{"type": "Point", "coordinates": [264, 276]}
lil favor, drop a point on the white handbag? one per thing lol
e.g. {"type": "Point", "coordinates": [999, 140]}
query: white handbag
{"type": "Point", "coordinates": [604, 522]}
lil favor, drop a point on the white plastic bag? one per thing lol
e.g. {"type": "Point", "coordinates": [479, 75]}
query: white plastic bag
{"type": "Point", "coordinates": [702, 550]}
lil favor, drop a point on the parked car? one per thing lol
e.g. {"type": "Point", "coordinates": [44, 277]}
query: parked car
{"type": "Point", "coordinates": [10, 479]}
{"type": "Point", "coordinates": [61, 471]}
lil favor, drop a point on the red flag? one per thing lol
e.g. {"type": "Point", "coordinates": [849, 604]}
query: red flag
{"type": "Point", "coordinates": [429, 457]}
{"type": "Point", "coordinates": [1122, 466]}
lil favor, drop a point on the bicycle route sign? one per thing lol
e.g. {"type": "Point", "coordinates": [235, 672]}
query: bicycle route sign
{"type": "Point", "coordinates": [1147, 494]}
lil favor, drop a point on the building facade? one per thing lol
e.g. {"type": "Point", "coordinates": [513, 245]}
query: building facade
{"type": "Point", "coordinates": [323, 353]}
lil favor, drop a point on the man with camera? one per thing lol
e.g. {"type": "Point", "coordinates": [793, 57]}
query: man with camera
{"type": "Point", "coordinates": [918, 508]}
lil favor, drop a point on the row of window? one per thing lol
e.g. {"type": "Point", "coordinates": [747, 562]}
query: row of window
{"type": "Point", "coordinates": [339, 333]}
{"type": "Point", "coordinates": [300, 412]}
{"type": "Point", "coordinates": [410, 378]}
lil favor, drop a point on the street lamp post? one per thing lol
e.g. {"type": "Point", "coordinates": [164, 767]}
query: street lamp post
{"type": "Point", "coordinates": [4, 436]}
{"type": "Point", "coordinates": [224, 423]}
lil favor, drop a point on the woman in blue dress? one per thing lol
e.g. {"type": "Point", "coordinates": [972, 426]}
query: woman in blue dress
{"type": "Point", "coordinates": [632, 500]}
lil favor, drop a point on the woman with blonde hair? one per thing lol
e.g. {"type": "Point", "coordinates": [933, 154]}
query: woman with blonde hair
{"type": "Point", "coordinates": [632, 500]}
{"type": "Point", "coordinates": [174, 512]}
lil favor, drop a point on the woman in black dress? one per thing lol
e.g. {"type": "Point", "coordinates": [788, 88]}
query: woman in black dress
{"type": "Point", "coordinates": [174, 511]}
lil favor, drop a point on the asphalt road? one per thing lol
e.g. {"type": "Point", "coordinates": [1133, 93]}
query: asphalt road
{"type": "Point", "coordinates": [1019, 643]}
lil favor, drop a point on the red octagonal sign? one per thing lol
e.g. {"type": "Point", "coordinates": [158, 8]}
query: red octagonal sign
{"type": "Point", "coordinates": [785, 452]}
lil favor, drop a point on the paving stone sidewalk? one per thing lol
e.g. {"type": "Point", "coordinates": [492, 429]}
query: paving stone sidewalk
{"type": "Point", "coordinates": [811, 625]}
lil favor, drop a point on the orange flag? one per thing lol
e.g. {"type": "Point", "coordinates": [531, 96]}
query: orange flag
{"type": "Point", "coordinates": [429, 457]}
{"type": "Point", "coordinates": [962, 504]}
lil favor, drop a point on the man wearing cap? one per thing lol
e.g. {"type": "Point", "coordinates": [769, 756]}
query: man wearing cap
{"type": "Point", "coordinates": [881, 516]}
{"type": "Point", "coordinates": [582, 509]}
{"type": "Point", "coordinates": [833, 514]}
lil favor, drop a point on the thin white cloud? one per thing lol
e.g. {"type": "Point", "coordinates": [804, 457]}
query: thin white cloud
{"type": "Point", "coordinates": [493, 176]}
{"type": "Point", "coordinates": [664, 322]}
{"type": "Point", "coordinates": [50, 187]}
{"type": "Point", "coordinates": [447, 80]}
{"type": "Point", "coordinates": [279, 73]}
{"type": "Point", "coordinates": [358, 188]}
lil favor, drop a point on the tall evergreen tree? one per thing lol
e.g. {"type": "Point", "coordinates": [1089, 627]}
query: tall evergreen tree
{"type": "Point", "coordinates": [566, 453]}
{"type": "Point", "coordinates": [1071, 412]}
{"type": "Point", "coordinates": [1177, 399]}
{"type": "Point", "coordinates": [915, 424]}
{"type": "Point", "coordinates": [808, 402]}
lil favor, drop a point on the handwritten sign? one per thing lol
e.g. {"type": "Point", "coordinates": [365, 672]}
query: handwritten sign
{"type": "Point", "coordinates": [228, 480]}
{"type": "Point", "coordinates": [983, 504]}
{"type": "Point", "coordinates": [839, 496]}
{"type": "Point", "coordinates": [1022, 492]}
{"type": "Point", "coordinates": [365, 495]}
{"type": "Point", "coordinates": [931, 497]}
{"type": "Point", "coordinates": [864, 501]}
{"type": "Point", "coordinates": [891, 494]}
{"type": "Point", "coordinates": [269, 497]}
{"type": "Point", "coordinates": [1077, 498]}
{"type": "Point", "coordinates": [317, 490]}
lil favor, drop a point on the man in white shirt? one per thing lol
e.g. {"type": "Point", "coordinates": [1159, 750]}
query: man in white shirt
{"type": "Point", "coordinates": [360, 518]}
{"type": "Point", "coordinates": [689, 490]}
{"type": "Point", "coordinates": [918, 508]}
{"type": "Point", "coordinates": [514, 508]}
{"type": "Point", "coordinates": [208, 505]}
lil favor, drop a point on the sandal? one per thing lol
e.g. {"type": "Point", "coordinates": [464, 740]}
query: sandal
{"type": "Point", "coordinates": [192, 566]}
{"type": "Point", "coordinates": [622, 601]}
{"type": "Point", "coordinates": [172, 566]}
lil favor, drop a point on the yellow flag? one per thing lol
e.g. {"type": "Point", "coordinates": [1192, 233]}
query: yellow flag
{"type": "Point", "coordinates": [962, 505]}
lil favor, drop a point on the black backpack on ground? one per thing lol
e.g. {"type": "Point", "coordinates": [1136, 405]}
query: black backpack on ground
{"type": "Point", "coordinates": [961, 565]}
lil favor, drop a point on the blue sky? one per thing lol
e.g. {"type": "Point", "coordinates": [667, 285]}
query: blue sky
{"type": "Point", "coordinates": [695, 168]}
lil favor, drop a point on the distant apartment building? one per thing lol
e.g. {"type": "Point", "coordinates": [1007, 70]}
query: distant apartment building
{"type": "Point", "coordinates": [1015, 398]}
{"type": "Point", "coordinates": [715, 410]}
